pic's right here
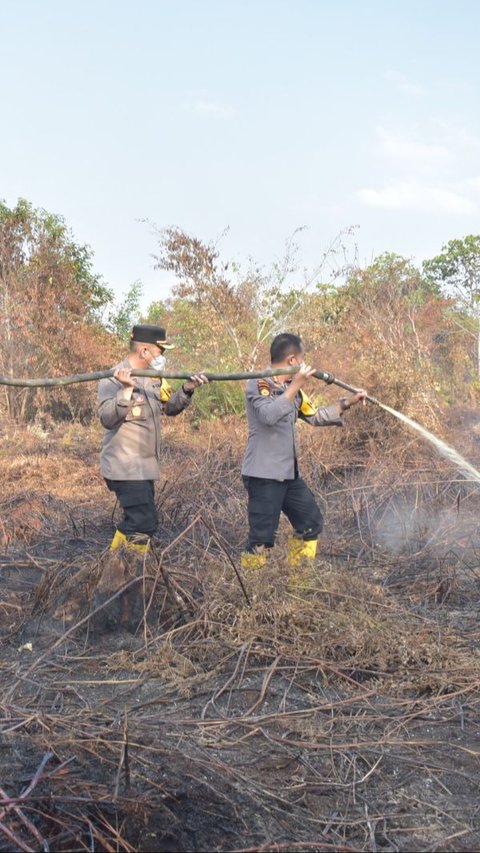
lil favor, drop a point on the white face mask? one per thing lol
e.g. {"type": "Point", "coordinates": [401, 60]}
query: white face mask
{"type": "Point", "coordinates": [158, 363]}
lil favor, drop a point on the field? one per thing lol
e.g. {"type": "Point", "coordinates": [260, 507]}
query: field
{"type": "Point", "coordinates": [333, 711]}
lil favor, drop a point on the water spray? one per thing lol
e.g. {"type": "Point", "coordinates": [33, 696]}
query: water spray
{"type": "Point", "coordinates": [448, 452]}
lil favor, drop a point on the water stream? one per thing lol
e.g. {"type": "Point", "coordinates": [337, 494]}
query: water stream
{"type": "Point", "coordinates": [448, 452]}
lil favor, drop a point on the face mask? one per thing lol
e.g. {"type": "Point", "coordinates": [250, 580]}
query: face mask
{"type": "Point", "coordinates": [158, 363]}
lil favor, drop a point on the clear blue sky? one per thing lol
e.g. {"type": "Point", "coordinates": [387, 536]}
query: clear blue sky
{"type": "Point", "coordinates": [259, 116]}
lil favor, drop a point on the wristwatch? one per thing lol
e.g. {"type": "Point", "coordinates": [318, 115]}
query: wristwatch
{"type": "Point", "coordinates": [343, 404]}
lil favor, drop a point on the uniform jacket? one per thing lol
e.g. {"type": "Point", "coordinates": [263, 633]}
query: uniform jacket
{"type": "Point", "coordinates": [271, 450]}
{"type": "Point", "coordinates": [131, 444]}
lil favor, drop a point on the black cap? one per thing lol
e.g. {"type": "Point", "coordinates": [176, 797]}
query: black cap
{"type": "Point", "coordinates": [151, 335]}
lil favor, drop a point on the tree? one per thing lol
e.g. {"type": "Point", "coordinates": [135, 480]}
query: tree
{"type": "Point", "coordinates": [125, 314]}
{"type": "Point", "coordinates": [51, 302]}
{"type": "Point", "coordinates": [224, 317]}
{"type": "Point", "coordinates": [380, 327]}
{"type": "Point", "coordinates": [457, 271]}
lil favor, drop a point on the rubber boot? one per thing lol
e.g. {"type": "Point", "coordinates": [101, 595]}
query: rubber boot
{"type": "Point", "coordinates": [299, 550]}
{"type": "Point", "coordinates": [138, 542]}
{"type": "Point", "coordinates": [252, 562]}
{"type": "Point", "coordinates": [301, 554]}
{"type": "Point", "coordinates": [118, 541]}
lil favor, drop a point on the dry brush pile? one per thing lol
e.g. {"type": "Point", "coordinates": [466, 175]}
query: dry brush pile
{"type": "Point", "coordinates": [247, 712]}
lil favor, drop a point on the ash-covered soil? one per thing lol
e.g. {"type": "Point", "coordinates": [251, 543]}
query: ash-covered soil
{"type": "Point", "coordinates": [334, 710]}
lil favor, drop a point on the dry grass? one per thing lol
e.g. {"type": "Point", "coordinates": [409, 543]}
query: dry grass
{"type": "Point", "coordinates": [338, 713]}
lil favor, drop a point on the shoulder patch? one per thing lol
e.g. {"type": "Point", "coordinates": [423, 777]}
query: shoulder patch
{"type": "Point", "coordinates": [264, 388]}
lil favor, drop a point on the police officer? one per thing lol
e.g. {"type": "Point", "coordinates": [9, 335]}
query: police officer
{"type": "Point", "coordinates": [130, 409]}
{"type": "Point", "coordinates": [270, 466]}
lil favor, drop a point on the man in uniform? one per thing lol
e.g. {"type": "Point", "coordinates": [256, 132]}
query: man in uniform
{"type": "Point", "coordinates": [270, 467]}
{"type": "Point", "coordinates": [130, 409]}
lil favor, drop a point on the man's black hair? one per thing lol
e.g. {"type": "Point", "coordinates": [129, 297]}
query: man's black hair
{"type": "Point", "coordinates": [284, 345]}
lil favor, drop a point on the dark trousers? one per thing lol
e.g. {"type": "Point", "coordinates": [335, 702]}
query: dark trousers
{"type": "Point", "coordinates": [137, 499]}
{"type": "Point", "coordinates": [268, 498]}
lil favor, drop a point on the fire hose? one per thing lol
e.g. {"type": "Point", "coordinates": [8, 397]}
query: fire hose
{"type": "Point", "coordinates": [212, 377]}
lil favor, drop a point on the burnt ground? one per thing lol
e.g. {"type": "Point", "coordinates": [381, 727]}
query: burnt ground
{"type": "Point", "coordinates": [336, 711]}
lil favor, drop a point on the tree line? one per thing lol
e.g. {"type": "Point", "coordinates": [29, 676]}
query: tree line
{"type": "Point", "coordinates": [409, 333]}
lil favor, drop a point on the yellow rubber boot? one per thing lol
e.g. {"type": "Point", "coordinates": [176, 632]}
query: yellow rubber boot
{"type": "Point", "coordinates": [309, 549]}
{"type": "Point", "coordinates": [301, 554]}
{"type": "Point", "coordinates": [139, 547]}
{"type": "Point", "coordinates": [300, 549]}
{"type": "Point", "coordinates": [251, 562]}
{"type": "Point", "coordinates": [118, 541]}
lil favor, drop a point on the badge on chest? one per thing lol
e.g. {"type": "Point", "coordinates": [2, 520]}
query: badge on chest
{"type": "Point", "coordinates": [137, 410]}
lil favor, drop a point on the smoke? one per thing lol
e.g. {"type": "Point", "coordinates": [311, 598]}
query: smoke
{"type": "Point", "coordinates": [405, 527]}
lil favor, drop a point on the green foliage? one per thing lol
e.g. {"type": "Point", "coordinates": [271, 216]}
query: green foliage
{"type": "Point", "coordinates": [125, 314]}
{"type": "Point", "coordinates": [219, 399]}
{"type": "Point", "coordinates": [156, 312]}
{"type": "Point", "coordinates": [457, 271]}
{"type": "Point", "coordinates": [93, 286]}
{"type": "Point", "coordinates": [393, 272]}
{"type": "Point", "coordinates": [32, 239]}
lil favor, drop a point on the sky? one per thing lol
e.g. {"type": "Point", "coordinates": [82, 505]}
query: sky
{"type": "Point", "coordinates": [241, 121]}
